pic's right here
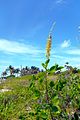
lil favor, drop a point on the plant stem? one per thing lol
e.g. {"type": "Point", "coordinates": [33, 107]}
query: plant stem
{"type": "Point", "coordinates": [47, 97]}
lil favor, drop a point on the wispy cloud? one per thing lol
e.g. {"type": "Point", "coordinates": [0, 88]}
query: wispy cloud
{"type": "Point", "coordinates": [5, 62]}
{"type": "Point", "coordinates": [66, 58]}
{"type": "Point", "coordinates": [73, 51]}
{"type": "Point", "coordinates": [10, 47]}
{"type": "Point", "coordinates": [66, 44]}
{"type": "Point", "coordinates": [60, 1]}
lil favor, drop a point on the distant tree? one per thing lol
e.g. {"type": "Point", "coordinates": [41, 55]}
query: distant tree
{"type": "Point", "coordinates": [34, 70]}
{"type": "Point", "coordinates": [17, 71]}
{"type": "Point", "coordinates": [4, 74]}
{"type": "Point", "coordinates": [11, 69]}
{"type": "Point", "coordinates": [67, 63]}
{"type": "Point", "coordinates": [26, 68]}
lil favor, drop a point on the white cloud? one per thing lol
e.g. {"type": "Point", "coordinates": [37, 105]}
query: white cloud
{"type": "Point", "coordinates": [58, 56]}
{"type": "Point", "coordinates": [73, 51]}
{"type": "Point", "coordinates": [74, 59]}
{"type": "Point", "coordinates": [66, 44]}
{"type": "Point", "coordinates": [10, 47]}
{"type": "Point", "coordinates": [66, 58]}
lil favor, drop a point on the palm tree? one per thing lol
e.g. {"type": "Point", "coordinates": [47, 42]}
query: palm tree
{"type": "Point", "coordinates": [17, 71]}
{"type": "Point", "coordinates": [11, 69]}
{"type": "Point", "coordinates": [34, 70]}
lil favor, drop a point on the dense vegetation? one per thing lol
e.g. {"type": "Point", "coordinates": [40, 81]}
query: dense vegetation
{"type": "Point", "coordinates": [29, 99]}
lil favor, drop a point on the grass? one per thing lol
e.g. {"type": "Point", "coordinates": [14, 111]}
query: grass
{"type": "Point", "coordinates": [16, 103]}
{"type": "Point", "coordinates": [14, 99]}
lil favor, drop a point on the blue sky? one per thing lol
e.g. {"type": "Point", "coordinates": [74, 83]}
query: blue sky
{"type": "Point", "coordinates": [24, 28]}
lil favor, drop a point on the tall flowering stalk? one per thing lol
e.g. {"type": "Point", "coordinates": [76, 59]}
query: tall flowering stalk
{"type": "Point", "coordinates": [48, 46]}
{"type": "Point", "coordinates": [49, 41]}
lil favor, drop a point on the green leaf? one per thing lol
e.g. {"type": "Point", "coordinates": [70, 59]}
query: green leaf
{"type": "Point", "coordinates": [31, 85]}
{"type": "Point", "coordinates": [52, 68]}
{"type": "Point", "coordinates": [51, 84]}
{"type": "Point", "coordinates": [55, 100]}
{"type": "Point", "coordinates": [33, 78]}
{"type": "Point", "coordinates": [43, 115]}
{"type": "Point", "coordinates": [36, 93]}
{"type": "Point", "coordinates": [59, 86]}
{"type": "Point", "coordinates": [44, 66]}
{"type": "Point", "coordinates": [41, 80]}
{"type": "Point", "coordinates": [54, 109]}
{"type": "Point", "coordinates": [59, 68]}
{"type": "Point", "coordinates": [22, 117]}
{"type": "Point", "coordinates": [47, 62]}
{"type": "Point", "coordinates": [31, 113]}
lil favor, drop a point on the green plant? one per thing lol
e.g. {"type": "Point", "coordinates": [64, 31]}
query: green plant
{"type": "Point", "coordinates": [43, 96]}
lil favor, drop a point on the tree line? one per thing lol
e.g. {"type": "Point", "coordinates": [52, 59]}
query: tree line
{"type": "Point", "coordinates": [12, 72]}
{"type": "Point", "coordinates": [56, 69]}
